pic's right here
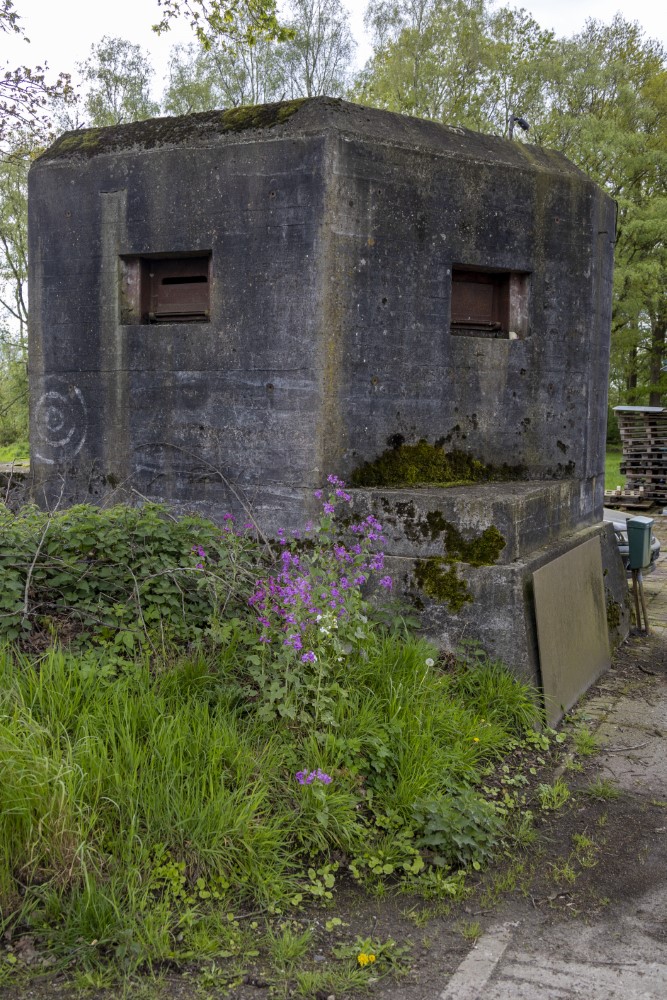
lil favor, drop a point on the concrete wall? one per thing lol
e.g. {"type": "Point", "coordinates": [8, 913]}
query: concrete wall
{"type": "Point", "coordinates": [398, 222]}
{"type": "Point", "coordinates": [332, 231]}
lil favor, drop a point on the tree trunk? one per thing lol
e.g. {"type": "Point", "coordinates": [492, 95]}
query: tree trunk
{"type": "Point", "coordinates": [631, 380]}
{"type": "Point", "coordinates": [657, 378]}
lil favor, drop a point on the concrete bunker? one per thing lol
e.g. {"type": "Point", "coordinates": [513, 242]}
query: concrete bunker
{"type": "Point", "coordinates": [242, 302]}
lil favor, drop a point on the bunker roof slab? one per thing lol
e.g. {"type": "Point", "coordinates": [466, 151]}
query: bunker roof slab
{"type": "Point", "coordinates": [300, 118]}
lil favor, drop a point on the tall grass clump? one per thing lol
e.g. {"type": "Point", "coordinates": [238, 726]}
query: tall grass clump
{"type": "Point", "coordinates": [193, 721]}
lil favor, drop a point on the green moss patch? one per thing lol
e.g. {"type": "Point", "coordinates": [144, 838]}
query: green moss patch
{"type": "Point", "coordinates": [258, 116]}
{"type": "Point", "coordinates": [425, 464]}
{"type": "Point", "coordinates": [183, 130]}
{"type": "Point", "coordinates": [613, 614]}
{"type": "Point", "coordinates": [84, 141]}
{"type": "Point", "coordinates": [480, 551]}
{"type": "Point", "coordinates": [438, 578]}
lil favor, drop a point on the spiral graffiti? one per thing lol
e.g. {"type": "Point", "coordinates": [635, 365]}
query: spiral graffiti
{"type": "Point", "coordinates": [61, 422]}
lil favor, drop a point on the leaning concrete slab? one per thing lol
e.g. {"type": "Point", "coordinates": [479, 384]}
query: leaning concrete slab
{"type": "Point", "coordinates": [572, 631]}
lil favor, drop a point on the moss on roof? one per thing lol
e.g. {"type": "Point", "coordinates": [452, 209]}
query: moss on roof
{"type": "Point", "coordinates": [306, 116]}
{"type": "Point", "coordinates": [183, 130]}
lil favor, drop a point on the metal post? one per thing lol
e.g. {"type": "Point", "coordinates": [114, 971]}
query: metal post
{"type": "Point", "coordinates": [641, 594]}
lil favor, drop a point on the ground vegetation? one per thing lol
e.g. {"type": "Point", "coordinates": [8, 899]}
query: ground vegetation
{"type": "Point", "coordinates": [196, 723]}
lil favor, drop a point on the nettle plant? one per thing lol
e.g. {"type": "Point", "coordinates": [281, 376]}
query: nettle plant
{"type": "Point", "coordinates": [312, 614]}
{"type": "Point", "coordinates": [121, 580]}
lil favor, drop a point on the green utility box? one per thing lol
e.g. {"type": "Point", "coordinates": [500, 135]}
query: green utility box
{"type": "Point", "coordinates": [639, 541]}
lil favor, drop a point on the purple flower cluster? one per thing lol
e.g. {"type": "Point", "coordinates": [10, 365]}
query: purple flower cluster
{"type": "Point", "coordinates": [293, 601]}
{"type": "Point", "coordinates": [305, 778]}
{"type": "Point", "coordinates": [201, 553]}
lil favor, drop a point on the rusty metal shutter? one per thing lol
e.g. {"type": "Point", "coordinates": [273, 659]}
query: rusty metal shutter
{"type": "Point", "coordinates": [178, 289]}
{"type": "Point", "coordinates": [480, 302]}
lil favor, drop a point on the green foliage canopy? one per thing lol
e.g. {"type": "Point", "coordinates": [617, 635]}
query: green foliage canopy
{"type": "Point", "coordinates": [119, 76]}
{"type": "Point", "coordinates": [231, 20]}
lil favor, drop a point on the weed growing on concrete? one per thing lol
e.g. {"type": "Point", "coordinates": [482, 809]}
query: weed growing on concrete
{"type": "Point", "coordinates": [602, 790]}
{"type": "Point", "coordinates": [585, 742]}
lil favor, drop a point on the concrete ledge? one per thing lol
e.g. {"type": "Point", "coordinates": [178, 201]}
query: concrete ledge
{"type": "Point", "coordinates": [528, 515]}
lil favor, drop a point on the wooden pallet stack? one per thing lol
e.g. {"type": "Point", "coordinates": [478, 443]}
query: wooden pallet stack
{"type": "Point", "coordinates": [644, 440]}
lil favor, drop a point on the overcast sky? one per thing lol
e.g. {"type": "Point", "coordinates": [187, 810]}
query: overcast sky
{"type": "Point", "coordinates": [62, 31]}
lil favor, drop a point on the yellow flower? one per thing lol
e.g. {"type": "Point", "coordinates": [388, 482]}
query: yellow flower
{"type": "Point", "coordinates": [475, 739]}
{"type": "Point", "coordinates": [364, 959]}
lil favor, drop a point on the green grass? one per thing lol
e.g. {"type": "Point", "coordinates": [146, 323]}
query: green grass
{"type": "Point", "coordinates": [603, 790]}
{"type": "Point", "coordinates": [19, 451]}
{"type": "Point", "coordinates": [148, 792]}
{"type": "Point", "coordinates": [612, 469]}
{"type": "Point", "coordinates": [126, 803]}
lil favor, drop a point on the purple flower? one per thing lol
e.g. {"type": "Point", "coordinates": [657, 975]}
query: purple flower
{"type": "Point", "coordinates": [307, 778]}
{"type": "Point", "coordinates": [386, 582]}
{"type": "Point", "coordinates": [309, 657]}
{"type": "Point", "coordinates": [317, 494]}
{"type": "Point", "coordinates": [328, 508]}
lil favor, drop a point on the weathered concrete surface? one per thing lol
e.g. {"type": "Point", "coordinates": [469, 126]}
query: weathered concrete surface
{"type": "Point", "coordinates": [332, 231]}
{"type": "Point", "coordinates": [528, 515]}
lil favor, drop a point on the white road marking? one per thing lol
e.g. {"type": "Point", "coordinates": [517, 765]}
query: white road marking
{"type": "Point", "coordinates": [477, 967]}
